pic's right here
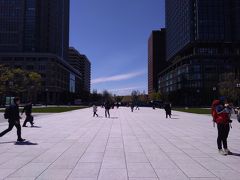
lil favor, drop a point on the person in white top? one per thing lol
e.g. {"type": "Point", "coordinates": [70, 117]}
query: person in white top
{"type": "Point", "coordinates": [238, 113]}
{"type": "Point", "coordinates": [95, 111]}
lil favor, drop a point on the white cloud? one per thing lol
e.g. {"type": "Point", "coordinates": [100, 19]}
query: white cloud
{"type": "Point", "coordinates": [119, 77]}
{"type": "Point", "coordinates": [126, 90]}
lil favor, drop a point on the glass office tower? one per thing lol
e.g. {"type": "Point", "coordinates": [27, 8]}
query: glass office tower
{"type": "Point", "coordinates": [34, 35]}
{"type": "Point", "coordinates": [202, 43]}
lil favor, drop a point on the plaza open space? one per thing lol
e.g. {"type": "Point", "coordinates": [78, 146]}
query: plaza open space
{"type": "Point", "coordinates": [142, 145]}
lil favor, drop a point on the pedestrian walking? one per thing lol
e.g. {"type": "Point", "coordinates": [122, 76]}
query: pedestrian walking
{"type": "Point", "coordinates": [137, 107]}
{"type": "Point", "coordinates": [238, 114]}
{"type": "Point", "coordinates": [95, 111]}
{"type": "Point", "coordinates": [107, 109]}
{"type": "Point", "coordinates": [12, 114]}
{"type": "Point", "coordinates": [132, 106]}
{"type": "Point", "coordinates": [28, 112]}
{"type": "Point", "coordinates": [221, 116]}
{"type": "Point", "coordinates": [168, 110]}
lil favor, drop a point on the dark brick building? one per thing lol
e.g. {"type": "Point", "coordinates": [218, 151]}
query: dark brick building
{"type": "Point", "coordinates": [156, 58]}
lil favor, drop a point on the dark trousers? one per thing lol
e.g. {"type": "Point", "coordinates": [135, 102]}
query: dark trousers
{"type": "Point", "coordinates": [29, 118]}
{"type": "Point", "coordinates": [95, 114]}
{"type": "Point", "coordinates": [168, 114]}
{"type": "Point", "coordinates": [10, 127]}
{"type": "Point", "coordinates": [107, 113]}
{"type": "Point", "coordinates": [223, 131]}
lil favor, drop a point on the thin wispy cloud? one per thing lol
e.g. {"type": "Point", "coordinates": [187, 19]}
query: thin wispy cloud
{"type": "Point", "coordinates": [119, 77]}
{"type": "Point", "coordinates": [126, 90]}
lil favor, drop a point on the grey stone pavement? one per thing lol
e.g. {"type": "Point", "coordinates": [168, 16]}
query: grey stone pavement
{"type": "Point", "coordinates": [36, 115]}
{"type": "Point", "coordinates": [142, 145]}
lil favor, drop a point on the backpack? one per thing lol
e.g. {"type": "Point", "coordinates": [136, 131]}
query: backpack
{"type": "Point", "coordinates": [7, 113]}
{"type": "Point", "coordinates": [213, 110]}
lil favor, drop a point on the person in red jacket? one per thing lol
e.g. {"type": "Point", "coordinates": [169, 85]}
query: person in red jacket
{"type": "Point", "coordinates": [221, 117]}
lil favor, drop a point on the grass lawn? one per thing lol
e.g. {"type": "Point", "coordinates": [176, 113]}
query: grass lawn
{"type": "Point", "coordinates": [54, 109]}
{"type": "Point", "coordinates": [193, 110]}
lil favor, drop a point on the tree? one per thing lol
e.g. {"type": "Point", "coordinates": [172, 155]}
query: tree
{"type": "Point", "coordinates": [118, 98]}
{"type": "Point", "coordinates": [135, 96]}
{"type": "Point", "coordinates": [16, 82]}
{"type": "Point", "coordinates": [107, 96]}
{"type": "Point", "coordinates": [156, 96]}
{"type": "Point", "coordinates": [228, 86]}
{"type": "Point", "coordinates": [95, 97]}
{"type": "Point", "coordinates": [127, 99]}
{"type": "Point", "coordinates": [34, 84]}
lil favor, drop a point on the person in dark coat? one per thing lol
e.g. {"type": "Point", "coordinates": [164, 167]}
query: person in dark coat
{"type": "Point", "coordinates": [28, 111]}
{"type": "Point", "coordinates": [107, 109]}
{"type": "Point", "coordinates": [14, 119]}
{"type": "Point", "coordinates": [168, 110]}
{"type": "Point", "coordinates": [132, 106]}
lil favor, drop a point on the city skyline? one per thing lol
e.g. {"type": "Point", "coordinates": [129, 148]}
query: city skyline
{"type": "Point", "coordinates": [115, 37]}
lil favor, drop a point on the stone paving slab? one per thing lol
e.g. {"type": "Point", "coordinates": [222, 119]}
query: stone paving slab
{"type": "Point", "coordinates": [142, 145]}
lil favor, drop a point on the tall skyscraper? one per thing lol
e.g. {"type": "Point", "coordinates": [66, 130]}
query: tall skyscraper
{"type": "Point", "coordinates": [34, 35]}
{"type": "Point", "coordinates": [202, 43]}
{"type": "Point", "coordinates": [35, 26]}
{"type": "Point", "coordinates": [81, 63]}
{"type": "Point", "coordinates": [156, 58]}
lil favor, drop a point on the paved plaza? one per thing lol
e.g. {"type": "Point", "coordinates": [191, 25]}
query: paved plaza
{"type": "Point", "coordinates": [142, 145]}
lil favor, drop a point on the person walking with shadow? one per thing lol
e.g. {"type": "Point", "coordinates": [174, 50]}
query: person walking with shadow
{"type": "Point", "coordinates": [12, 114]}
{"type": "Point", "coordinates": [95, 111]}
{"type": "Point", "coordinates": [107, 109]}
{"type": "Point", "coordinates": [28, 112]}
{"type": "Point", "coordinates": [168, 110]}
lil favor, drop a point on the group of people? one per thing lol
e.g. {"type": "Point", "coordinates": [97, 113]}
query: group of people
{"type": "Point", "coordinates": [107, 107]}
{"type": "Point", "coordinates": [221, 112]}
{"type": "Point", "coordinates": [13, 115]}
{"type": "Point", "coordinates": [132, 105]}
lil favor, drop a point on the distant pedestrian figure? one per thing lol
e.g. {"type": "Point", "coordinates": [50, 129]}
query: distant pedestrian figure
{"type": "Point", "coordinates": [107, 109]}
{"type": "Point", "coordinates": [238, 114]}
{"type": "Point", "coordinates": [168, 110]}
{"type": "Point", "coordinates": [137, 107]}
{"type": "Point", "coordinates": [95, 111]}
{"type": "Point", "coordinates": [153, 104]}
{"type": "Point", "coordinates": [12, 114]}
{"type": "Point", "coordinates": [132, 106]}
{"type": "Point", "coordinates": [28, 112]}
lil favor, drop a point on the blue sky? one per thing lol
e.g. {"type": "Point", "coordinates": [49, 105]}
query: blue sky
{"type": "Point", "coordinates": [114, 34]}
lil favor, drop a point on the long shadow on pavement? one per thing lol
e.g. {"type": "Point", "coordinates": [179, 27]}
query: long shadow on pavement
{"type": "Point", "coordinates": [113, 117]}
{"type": "Point", "coordinates": [33, 127]}
{"type": "Point", "coordinates": [235, 154]}
{"type": "Point", "coordinates": [26, 143]}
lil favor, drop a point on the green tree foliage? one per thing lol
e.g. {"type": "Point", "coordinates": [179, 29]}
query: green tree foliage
{"type": "Point", "coordinates": [135, 96]}
{"type": "Point", "coordinates": [18, 81]}
{"type": "Point", "coordinates": [127, 99]}
{"type": "Point", "coordinates": [228, 87]}
{"type": "Point", "coordinates": [156, 96]}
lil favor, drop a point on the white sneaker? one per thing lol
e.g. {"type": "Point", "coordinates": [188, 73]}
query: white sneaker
{"type": "Point", "coordinates": [227, 151]}
{"type": "Point", "coordinates": [222, 152]}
